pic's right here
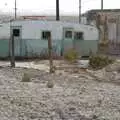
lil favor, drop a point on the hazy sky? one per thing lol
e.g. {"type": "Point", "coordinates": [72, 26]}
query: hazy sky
{"type": "Point", "coordinates": [48, 6]}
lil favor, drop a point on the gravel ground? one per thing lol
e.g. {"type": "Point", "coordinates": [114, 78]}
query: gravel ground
{"type": "Point", "coordinates": [73, 97]}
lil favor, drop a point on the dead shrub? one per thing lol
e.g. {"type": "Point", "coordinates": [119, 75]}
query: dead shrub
{"type": "Point", "coordinates": [99, 61]}
{"type": "Point", "coordinates": [71, 55]}
{"type": "Point", "coordinates": [104, 43]}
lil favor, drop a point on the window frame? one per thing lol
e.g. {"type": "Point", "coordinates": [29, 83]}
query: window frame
{"type": "Point", "coordinates": [16, 32]}
{"type": "Point", "coordinates": [43, 33]}
{"type": "Point", "coordinates": [79, 32]}
{"type": "Point", "coordinates": [71, 34]}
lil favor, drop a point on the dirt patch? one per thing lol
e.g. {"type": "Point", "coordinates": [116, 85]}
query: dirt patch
{"type": "Point", "coordinates": [77, 94]}
{"type": "Point", "coordinates": [73, 97]}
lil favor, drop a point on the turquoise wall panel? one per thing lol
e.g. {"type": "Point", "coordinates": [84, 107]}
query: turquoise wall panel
{"type": "Point", "coordinates": [35, 47]}
{"type": "Point", "coordinates": [4, 48]}
{"type": "Point", "coordinates": [85, 46]}
{"type": "Point", "coordinates": [38, 47]}
{"type": "Point", "coordinates": [67, 44]}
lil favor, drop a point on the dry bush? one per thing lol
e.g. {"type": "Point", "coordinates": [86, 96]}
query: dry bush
{"type": "Point", "coordinates": [104, 43]}
{"type": "Point", "coordinates": [99, 61]}
{"type": "Point", "coordinates": [71, 55]}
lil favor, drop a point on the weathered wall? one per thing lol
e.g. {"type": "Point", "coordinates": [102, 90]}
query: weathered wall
{"type": "Point", "coordinates": [33, 29]}
{"type": "Point", "coordinates": [5, 31]}
{"type": "Point", "coordinates": [31, 43]}
{"type": "Point", "coordinates": [33, 48]}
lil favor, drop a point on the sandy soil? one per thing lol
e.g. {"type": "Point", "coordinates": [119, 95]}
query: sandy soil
{"type": "Point", "coordinates": [75, 96]}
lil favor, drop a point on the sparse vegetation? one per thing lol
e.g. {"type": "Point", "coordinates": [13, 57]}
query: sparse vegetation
{"type": "Point", "coordinates": [26, 77]}
{"type": "Point", "coordinates": [99, 61]}
{"type": "Point", "coordinates": [71, 55]}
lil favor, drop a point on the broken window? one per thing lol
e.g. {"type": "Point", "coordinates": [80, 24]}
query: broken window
{"type": "Point", "coordinates": [46, 35]}
{"type": "Point", "coordinates": [68, 34]}
{"type": "Point", "coordinates": [78, 36]}
{"type": "Point", "coordinates": [16, 32]}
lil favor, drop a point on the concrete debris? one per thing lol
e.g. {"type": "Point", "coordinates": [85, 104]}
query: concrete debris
{"type": "Point", "coordinates": [83, 63]}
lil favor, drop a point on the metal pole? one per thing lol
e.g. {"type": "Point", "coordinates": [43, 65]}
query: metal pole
{"type": "Point", "coordinates": [15, 9]}
{"type": "Point", "coordinates": [79, 11]}
{"type": "Point", "coordinates": [57, 10]}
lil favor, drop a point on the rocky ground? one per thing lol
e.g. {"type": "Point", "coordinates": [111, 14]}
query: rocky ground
{"type": "Point", "coordinates": [77, 95]}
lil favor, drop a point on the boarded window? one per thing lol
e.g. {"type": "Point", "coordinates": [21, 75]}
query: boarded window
{"type": "Point", "coordinates": [68, 34]}
{"type": "Point", "coordinates": [78, 36]}
{"type": "Point", "coordinates": [46, 35]}
{"type": "Point", "coordinates": [16, 32]}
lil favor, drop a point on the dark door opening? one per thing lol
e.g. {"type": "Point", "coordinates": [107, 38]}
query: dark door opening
{"type": "Point", "coordinates": [16, 32]}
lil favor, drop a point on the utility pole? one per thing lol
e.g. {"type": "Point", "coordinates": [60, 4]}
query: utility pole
{"type": "Point", "coordinates": [102, 5]}
{"type": "Point", "coordinates": [15, 9]}
{"type": "Point", "coordinates": [79, 11]}
{"type": "Point", "coordinates": [57, 10]}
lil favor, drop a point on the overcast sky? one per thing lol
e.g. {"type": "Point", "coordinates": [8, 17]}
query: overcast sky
{"type": "Point", "coordinates": [48, 6]}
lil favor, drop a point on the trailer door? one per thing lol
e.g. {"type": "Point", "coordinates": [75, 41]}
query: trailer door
{"type": "Point", "coordinates": [16, 31]}
{"type": "Point", "coordinates": [67, 39]}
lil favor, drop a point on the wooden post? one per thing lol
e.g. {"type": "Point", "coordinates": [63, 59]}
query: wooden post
{"type": "Point", "coordinates": [50, 54]}
{"type": "Point", "coordinates": [12, 52]}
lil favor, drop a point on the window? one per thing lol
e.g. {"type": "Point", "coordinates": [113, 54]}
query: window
{"type": "Point", "coordinates": [16, 32]}
{"type": "Point", "coordinates": [68, 34]}
{"type": "Point", "coordinates": [78, 36]}
{"type": "Point", "coordinates": [46, 34]}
